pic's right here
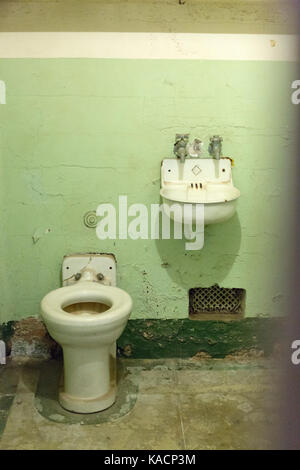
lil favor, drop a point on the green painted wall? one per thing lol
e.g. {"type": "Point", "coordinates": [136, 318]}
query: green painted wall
{"type": "Point", "coordinates": [75, 133]}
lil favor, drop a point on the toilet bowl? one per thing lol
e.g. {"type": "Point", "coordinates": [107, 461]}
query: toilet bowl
{"type": "Point", "coordinates": [86, 318]}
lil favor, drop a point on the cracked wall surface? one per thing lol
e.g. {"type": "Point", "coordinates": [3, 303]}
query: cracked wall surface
{"type": "Point", "coordinates": [77, 132]}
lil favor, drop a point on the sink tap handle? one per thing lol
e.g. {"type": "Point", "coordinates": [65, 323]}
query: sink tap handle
{"type": "Point", "coordinates": [180, 146]}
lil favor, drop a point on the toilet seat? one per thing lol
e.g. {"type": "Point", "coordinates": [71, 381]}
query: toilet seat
{"type": "Point", "coordinates": [118, 300]}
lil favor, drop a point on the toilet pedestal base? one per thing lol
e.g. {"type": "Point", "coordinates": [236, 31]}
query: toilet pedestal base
{"type": "Point", "coordinates": [85, 405]}
{"type": "Point", "coordinates": [88, 383]}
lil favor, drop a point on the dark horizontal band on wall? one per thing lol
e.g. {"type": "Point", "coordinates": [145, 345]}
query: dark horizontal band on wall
{"type": "Point", "coordinates": [187, 338]}
{"type": "Point", "coordinates": [154, 339]}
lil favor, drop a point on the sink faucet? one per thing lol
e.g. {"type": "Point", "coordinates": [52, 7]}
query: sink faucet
{"type": "Point", "coordinates": [215, 146]}
{"type": "Point", "coordinates": [180, 146]}
{"type": "Point", "coordinates": [184, 149]}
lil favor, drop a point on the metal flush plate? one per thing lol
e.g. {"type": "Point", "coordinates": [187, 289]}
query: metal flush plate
{"type": "Point", "coordinates": [104, 263]}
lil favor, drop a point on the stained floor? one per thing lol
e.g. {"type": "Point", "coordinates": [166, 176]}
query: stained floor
{"type": "Point", "coordinates": [171, 404]}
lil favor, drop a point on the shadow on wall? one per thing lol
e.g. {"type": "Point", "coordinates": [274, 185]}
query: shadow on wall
{"type": "Point", "coordinates": [205, 267]}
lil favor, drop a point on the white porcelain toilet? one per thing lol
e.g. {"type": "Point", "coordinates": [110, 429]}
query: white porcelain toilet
{"type": "Point", "coordinates": [86, 317]}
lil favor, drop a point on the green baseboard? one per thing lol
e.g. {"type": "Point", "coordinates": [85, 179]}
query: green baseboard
{"type": "Point", "coordinates": [155, 339]}
{"type": "Point", "coordinates": [187, 338]}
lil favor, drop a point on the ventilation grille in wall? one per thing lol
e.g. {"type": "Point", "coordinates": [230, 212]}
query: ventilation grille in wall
{"type": "Point", "coordinates": [216, 299]}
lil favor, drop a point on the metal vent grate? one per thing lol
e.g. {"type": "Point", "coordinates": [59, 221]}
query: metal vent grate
{"type": "Point", "coordinates": [216, 299]}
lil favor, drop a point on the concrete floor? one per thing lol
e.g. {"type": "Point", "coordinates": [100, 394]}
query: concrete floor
{"type": "Point", "coordinates": [180, 404]}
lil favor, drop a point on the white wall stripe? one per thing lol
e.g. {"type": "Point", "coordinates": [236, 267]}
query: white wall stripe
{"type": "Point", "coordinates": [150, 46]}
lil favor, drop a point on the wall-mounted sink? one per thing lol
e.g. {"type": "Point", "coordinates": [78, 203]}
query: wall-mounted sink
{"type": "Point", "coordinates": [200, 181]}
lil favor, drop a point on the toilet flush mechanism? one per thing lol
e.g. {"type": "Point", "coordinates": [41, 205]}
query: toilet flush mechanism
{"type": "Point", "coordinates": [86, 316]}
{"type": "Point", "coordinates": [89, 267]}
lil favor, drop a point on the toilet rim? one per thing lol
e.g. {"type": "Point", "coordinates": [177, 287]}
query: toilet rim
{"type": "Point", "coordinates": [53, 303]}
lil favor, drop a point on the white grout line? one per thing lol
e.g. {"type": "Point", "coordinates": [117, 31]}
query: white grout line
{"type": "Point", "coordinates": [114, 45]}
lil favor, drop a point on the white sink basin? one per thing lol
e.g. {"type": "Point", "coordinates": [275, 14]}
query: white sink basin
{"type": "Point", "coordinates": [199, 181]}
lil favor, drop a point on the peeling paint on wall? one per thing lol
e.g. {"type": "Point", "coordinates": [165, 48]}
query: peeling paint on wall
{"type": "Point", "coordinates": [162, 338]}
{"type": "Point", "coordinates": [212, 339]}
{"type": "Point", "coordinates": [39, 233]}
